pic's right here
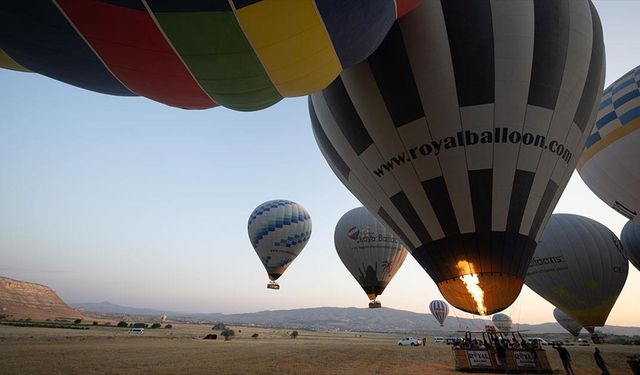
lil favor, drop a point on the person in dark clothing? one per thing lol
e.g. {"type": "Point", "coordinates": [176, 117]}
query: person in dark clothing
{"type": "Point", "coordinates": [501, 353]}
{"type": "Point", "coordinates": [600, 362]}
{"type": "Point", "coordinates": [565, 357]}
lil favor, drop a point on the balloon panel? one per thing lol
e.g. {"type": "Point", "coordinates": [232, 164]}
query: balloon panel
{"type": "Point", "coordinates": [579, 267]}
{"type": "Point", "coordinates": [245, 55]}
{"type": "Point", "coordinates": [279, 230]}
{"type": "Point", "coordinates": [461, 154]}
{"type": "Point", "coordinates": [370, 251]}
{"type": "Point", "coordinates": [609, 163]}
{"type": "Point", "coordinates": [630, 238]}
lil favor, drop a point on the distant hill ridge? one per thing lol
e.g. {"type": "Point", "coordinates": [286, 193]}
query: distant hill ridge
{"type": "Point", "coordinates": [341, 318]}
{"type": "Point", "coordinates": [21, 300]}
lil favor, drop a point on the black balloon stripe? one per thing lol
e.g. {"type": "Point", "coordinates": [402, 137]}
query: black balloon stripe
{"type": "Point", "coordinates": [522, 182]}
{"type": "Point", "coordinates": [481, 186]}
{"type": "Point", "coordinates": [545, 202]}
{"type": "Point", "coordinates": [549, 51]}
{"type": "Point", "coordinates": [438, 194]}
{"type": "Point", "coordinates": [470, 30]}
{"type": "Point", "coordinates": [392, 71]}
{"type": "Point", "coordinates": [410, 215]}
{"type": "Point", "coordinates": [346, 116]}
{"type": "Point", "coordinates": [596, 67]}
{"type": "Point", "coordinates": [325, 143]}
{"type": "Point", "coordinates": [386, 218]}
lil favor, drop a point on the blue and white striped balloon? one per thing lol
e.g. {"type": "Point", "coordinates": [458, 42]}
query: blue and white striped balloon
{"type": "Point", "coordinates": [439, 309]}
{"type": "Point", "coordinates": [279, 230]}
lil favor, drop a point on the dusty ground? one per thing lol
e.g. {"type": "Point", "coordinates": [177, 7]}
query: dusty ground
{"type": "Point", "coordinates": [181, 351]}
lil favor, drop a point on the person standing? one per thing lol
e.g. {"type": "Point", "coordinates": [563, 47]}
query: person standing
{"type": "Point", "coordinates": [600, 362]}
{"type": "Point", "coordinates": [565, 357]}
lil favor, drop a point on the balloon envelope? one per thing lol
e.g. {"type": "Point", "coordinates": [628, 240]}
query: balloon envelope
{"type": "Point", "coordinates": [567, 322]}
{"type": "Point", "coordinates": [279, 230]}
{"type": "Point", "coordinates": [244, 55]}
{"type": "Point", "coordinates": [440, 310]}
{"type": "Point", "coordinates": [579, 267]}
{"type": "Point", "coordinates": [502, 322]}
{"type": "Point", "coordinates": [630, 238]}
{"type": "Point", "coordinates": [609, 164]}
{"type": "Point", "coordinates": [369, 250]}
{"type": "Point", "coordinates": [461, 136]}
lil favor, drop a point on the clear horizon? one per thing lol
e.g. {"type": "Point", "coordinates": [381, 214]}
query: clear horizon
{"type": "Point", "coordinates": [126, 200]}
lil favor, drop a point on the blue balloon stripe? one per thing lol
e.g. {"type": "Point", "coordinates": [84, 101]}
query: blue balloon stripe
{"type": "Point", "coordinates": [294, 240]}
{"type": "Point", "coordinates": [272, 226]}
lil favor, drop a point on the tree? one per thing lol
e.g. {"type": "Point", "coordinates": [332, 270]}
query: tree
{"type": "Point", "coordinates": [168, 326]}
{"type": "Point", "coordinates": [219, 326]}
{"type": "Point", "coordinates": [95, 323]}
{"type": "Point", "coordinates": [227, 334]}
{"type": "Point", "coordinates": [294, 334]}
{"type": "Point", "coordinates": [123, 324]}
{"type": "Point", "coordinates": [255, 335]}
{"type": "Point", "coordinates": [156, 325]}
{"type": "Point", "coordinates": [77, 321]}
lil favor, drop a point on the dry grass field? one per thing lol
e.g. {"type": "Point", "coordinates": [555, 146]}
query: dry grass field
{"type": "Point", "coordinates": [181, 350]}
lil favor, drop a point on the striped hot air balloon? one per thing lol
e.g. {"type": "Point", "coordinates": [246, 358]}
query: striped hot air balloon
{"type": "Point", "coordinates": [462, 130]}
{"type": "Point", "coordinates": [609, 164]}
{"type": "Point", "coordinates": [371, 252]}
{"type": "Point", "coordinates": [440, 310]}
{"type": "Point", "coordinates": [278, 230]}
{"type": "Point", "coordinates": [241, 54]}
{"type": "Point", "coordinates": [502, 322]}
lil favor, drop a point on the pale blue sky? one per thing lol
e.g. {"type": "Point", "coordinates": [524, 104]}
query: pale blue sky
{"type": "Point", "coordinates": [131, 201]}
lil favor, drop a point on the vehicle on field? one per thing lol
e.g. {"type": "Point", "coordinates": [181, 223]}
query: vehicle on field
{"type": "Point", "coordinates": [539, 339]}
{"type": "Point", "coordinates": [409, 341]}
{"type": "Point", "coordinates": [583, 342]}
{"type": "Point", "coordinates": [136, 331]}
{"type": "Point", "coordinates": [438, 340]}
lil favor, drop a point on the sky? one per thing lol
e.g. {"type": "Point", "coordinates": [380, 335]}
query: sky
{"type": "Point", "coordinates": [133, 202]}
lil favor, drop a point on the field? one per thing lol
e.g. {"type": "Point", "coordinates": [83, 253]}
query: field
{"type": "Point", "coordinates": [180, 350]}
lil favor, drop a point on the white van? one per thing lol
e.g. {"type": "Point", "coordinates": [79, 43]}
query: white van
{"type": "Point", "coordinates": [438, 339]}
{"type": "Point", "coordinates": [136, 331]}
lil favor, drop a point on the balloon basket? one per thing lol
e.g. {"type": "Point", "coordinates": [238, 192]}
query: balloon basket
{"type": "Point", "coordinates": [273, 285]}
{"type": "Point", "coordinates": [375, 305]}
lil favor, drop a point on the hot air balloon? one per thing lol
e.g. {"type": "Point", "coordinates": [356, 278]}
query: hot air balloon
{"type": "Point", "coordinates": [567, 322]}
{"type": "Point", "coordinates": [163, 318]}
{"type": "Point", "coordinates": [278, 230]}
{"type": "Point", "coordinates": [439, 309]}
{"type": "Point", "coordinates": [369, 250]}
{"type": "Point", "coordinates": [630, 238]}
{"type": "Point", "coordinates": [579, 268]}
{"type": "Point", "coordinates": [609, 163]}
{"type": "Point", "coordinates": [244, 55]}
{"type": "Point", "coordinates": [502, 322]}
{"type": "Point", "coordinates": [462, 130]}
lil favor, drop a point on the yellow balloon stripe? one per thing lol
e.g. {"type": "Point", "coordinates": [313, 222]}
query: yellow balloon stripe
{"type": "Point", "coordinates": [292, 43]}
{"type": "Point", "coordinates": [8, 63]}
{"type": "Point", "coordinates": [608, 139]}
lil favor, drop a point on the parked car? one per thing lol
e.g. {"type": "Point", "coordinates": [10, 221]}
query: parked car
{"type": "Point", "coordinates": [583, 342]}
{"type": "Point", "coordinates": [136, 331]}
{"type": "Point", "coordinates": [409, 341]}
{"type": "Point", "coordinates": [438, 339]}
{"type": "Point", "coordinates": [539, 339]}
{"type": "Point", "coordinates": [451, 340]}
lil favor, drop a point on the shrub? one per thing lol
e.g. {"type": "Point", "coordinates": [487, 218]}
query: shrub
{"type": "Point", "coordinates": [156, 325]}
{"type": "Point", "coordinates": [95, 323]}
{"type": "Point", "coordinates": [255, 335]}
{"type": "Point", "coordinates": [169, 326]}
{"type": "Point", "coordinates": [77, 321]}
{"type": "Point", "coordinates": [107, 324]}
{"type": "Point", "coordinates": [294, 334]}
{"type": "Point", "coordinates": [123, 324]}
{"type": "Point", "coordinates": [219, 326]}
{"type": "Point", "coordinates": [227, 334]}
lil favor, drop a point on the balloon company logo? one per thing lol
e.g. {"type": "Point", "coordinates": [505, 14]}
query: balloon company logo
{"type": "Point", "coordinates": [365, 236]}
{"type": "Point", "coordinates": [548, 260]}
{"type": "Point", "coordinates": [471, 138]}
{"type": "Point", "coordinates": [353, 233]}
{"type": "Point", "coordinates": [547, 264]}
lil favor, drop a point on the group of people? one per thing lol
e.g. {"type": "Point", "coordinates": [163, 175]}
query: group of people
{"type": "Point", "coordinates": [565, 357]}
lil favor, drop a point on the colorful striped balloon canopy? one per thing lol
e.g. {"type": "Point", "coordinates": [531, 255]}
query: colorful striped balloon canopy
{"type": "Point", "coordinates": [241, 54]}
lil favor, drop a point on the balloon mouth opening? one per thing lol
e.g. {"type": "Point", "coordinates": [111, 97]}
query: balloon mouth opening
{"type": "Point", "coordinates": [372, 296]}
{"type": "Point", "coordinates": [481, 293]}
{"type": "Point", "coordinates": [274, 276]}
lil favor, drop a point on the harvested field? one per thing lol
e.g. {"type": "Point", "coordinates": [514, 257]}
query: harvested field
{"type": "Point", "coordinates": [103, 350]}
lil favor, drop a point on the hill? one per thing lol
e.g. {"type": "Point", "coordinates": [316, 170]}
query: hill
{"type": "Point", "coordinates": [21, 300]}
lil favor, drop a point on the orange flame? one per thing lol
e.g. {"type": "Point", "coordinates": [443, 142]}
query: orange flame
{"type": "Point", "coordinates": [472, 282]}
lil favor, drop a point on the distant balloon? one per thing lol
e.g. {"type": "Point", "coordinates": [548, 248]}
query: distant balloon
{"type": "Point", "coordinates": [461, 131]}
{"type": "Point", "coordinates": [163, 318]}
{"type": "Point", "coordinates": [278, 230]}
{"type": "Point", "coordinates": [502, 322]}
{"type": "Point", "coordinates": [630, 238]}
{"type": "Point", "coordinates": [244, 55]}
{"type": "Point", "coordinates": [567, 322]}
{"type": "Point", "coordinates": [579, 267]}
{"type": "Point", "coordinates": [370, 251]}
{"type": "Point", "coordinates": [609, 164]}
{"type": "Point", "coordinates": [440, 310]}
